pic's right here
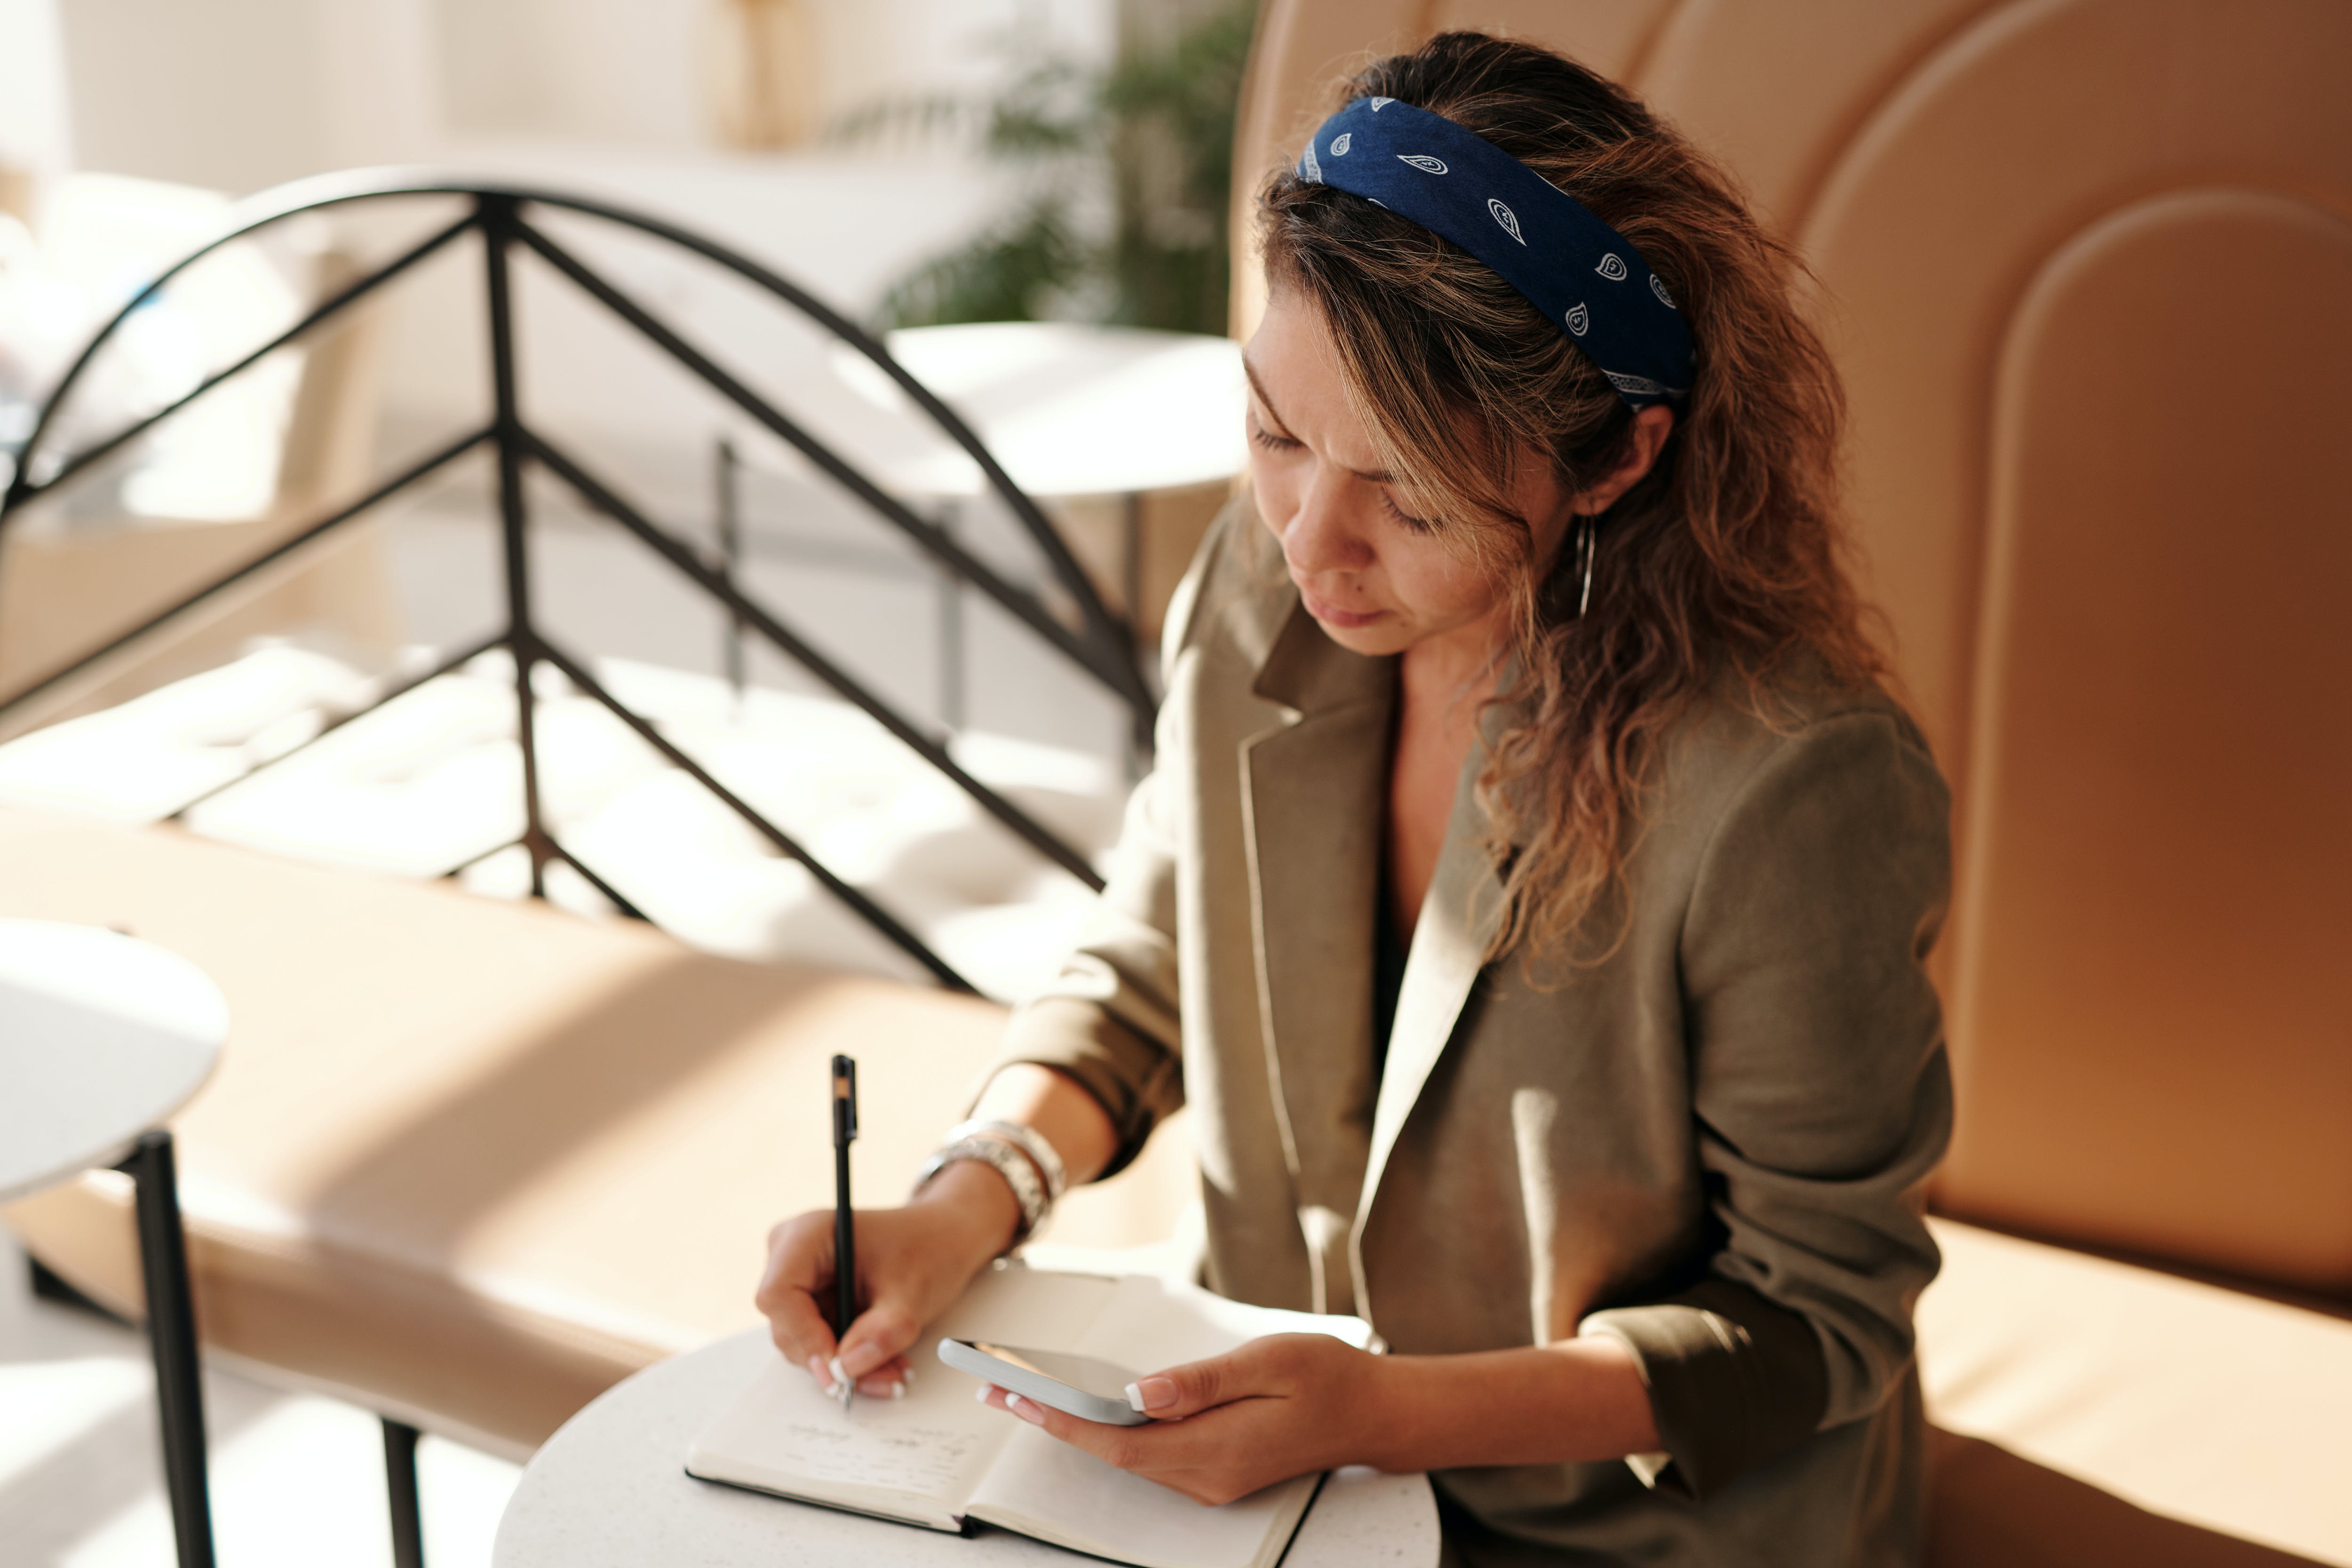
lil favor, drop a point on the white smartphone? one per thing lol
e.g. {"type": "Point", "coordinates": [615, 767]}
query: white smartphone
{"type": "Point", "coordinates": [1077, 1385]}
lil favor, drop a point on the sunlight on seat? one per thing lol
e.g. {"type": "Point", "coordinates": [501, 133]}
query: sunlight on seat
{"type": "Point", "coordinates": [430, 785]}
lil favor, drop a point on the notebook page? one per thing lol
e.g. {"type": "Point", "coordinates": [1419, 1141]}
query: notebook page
{"type": "Point", "coordinates": [919, 1457]}
{"type": "Point", "coordinates": [916, 1459]}
{"type": "Point", "coordinates": [1065, 1495]}
{"type": "Point", "coordinates": [1049, 1490]}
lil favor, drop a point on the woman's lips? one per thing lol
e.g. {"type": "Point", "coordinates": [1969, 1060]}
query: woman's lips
{"type": "Point", "coordinates": [1332, 616]}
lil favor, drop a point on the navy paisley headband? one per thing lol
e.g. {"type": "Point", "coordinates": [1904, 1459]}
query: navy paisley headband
{"type": "Point", "coordinates": [1577, 270]}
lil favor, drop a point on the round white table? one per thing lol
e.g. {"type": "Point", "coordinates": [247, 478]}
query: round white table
{"type": "Point", "coordinates": [101, 1038]}
{"type": "Point", "coordinates": [610, 1490]}
{"type": "Point", "coordinates": [1071, 412]}
{"type": "Point", "coordinates": [1068, 410]}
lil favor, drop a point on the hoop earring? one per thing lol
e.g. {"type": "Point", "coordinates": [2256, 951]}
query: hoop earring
{"type": "Point", "coordinates": [1587, 528]}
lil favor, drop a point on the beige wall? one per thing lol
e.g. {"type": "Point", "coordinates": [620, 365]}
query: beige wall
{"type": "Point", "coordinates": [607, 71]}
{"type": "Point", "coordinates": [34, 133]}
{"type": "Point", "coordinates": [236, 97]}
{"type": "Point", "coordinates": [240, 94]}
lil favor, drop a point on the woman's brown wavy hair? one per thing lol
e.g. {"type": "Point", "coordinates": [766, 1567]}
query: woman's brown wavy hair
{"type": "Point", "coordinates": [1719, 573]}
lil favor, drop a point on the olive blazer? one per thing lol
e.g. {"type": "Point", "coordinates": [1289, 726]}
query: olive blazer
{"type": "Point", "coordinates": [1711, 1144]}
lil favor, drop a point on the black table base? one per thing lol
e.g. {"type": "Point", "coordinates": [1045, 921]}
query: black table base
{"type": "Point", "coordinates": [400, 1486]}
{"type": "Point", "coordinates": [172, 1332]}
{"type": "Point", "coordinates": [179, 1389]}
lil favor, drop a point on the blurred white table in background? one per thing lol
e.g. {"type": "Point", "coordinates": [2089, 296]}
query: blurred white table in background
{"type": "Point", "coordinates": [1149, 422]}
{"type": "Point", "coordinates": [610, 1490]}
{"type": "Point", "coordinates": [101, 1038]}
{"type": "Point", "coordinates": [1068, 410]}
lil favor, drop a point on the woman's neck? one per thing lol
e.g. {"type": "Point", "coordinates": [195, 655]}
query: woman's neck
{"type": "Point", "coordinates": [1441, 681]}
{"type": "Point", "coordinates": [1456, 666]}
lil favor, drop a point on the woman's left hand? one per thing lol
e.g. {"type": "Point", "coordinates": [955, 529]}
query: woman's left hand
{"type": "Point", "coordinates": [1281, 1407]}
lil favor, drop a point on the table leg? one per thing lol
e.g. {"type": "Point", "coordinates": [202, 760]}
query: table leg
{"type": "Point", "coordinates": [1130, 572]}
{"type": "Point", "coordinates": [400, 1488]}
{"type": "Point", "coordinates": [172, 1332]}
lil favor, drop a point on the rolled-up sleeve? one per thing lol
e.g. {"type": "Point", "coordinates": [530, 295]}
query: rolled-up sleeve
{"type": "Point", "coordinates": [1109, 1022]}
{"type": "Point", "coordinates": [1823, 1096]}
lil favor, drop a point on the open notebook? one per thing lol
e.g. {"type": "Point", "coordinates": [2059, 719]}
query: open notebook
{"type": "Point", "coordinates": [939, 1458]}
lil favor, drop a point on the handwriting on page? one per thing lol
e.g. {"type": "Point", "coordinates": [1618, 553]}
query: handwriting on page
{"type": "Point", "coordinates": [926, 1460]}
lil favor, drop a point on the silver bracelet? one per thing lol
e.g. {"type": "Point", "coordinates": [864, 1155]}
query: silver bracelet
{"type": "Point", "coordinates": [1030, 1141]}
{"type": "Point", "coordinates": [1008, 1163]}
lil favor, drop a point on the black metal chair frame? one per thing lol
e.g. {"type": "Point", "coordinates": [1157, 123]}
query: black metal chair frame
{"type": "Point", "coordinates": [1102, 645]}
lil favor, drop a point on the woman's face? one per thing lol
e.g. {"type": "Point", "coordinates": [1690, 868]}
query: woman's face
{"type": "Point", "coordinates": [1377, 579]}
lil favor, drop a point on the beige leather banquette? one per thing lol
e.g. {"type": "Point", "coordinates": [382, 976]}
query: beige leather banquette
{"type": "Point", "coordinates": [2086, 266]}
{"type": "Point", "coordinates": [469, 1163]}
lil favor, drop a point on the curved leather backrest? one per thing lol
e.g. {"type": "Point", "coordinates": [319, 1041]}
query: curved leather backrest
{"type": "Point", "coordinates": [2086, 266]}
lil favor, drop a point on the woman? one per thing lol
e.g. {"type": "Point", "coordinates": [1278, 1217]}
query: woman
{"type": "Point", "coordinates": [1532, 895]}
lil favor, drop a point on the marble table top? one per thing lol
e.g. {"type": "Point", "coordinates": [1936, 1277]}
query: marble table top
{"type": "Point", "coordinates": [101, 1038]}
{"type": "Point", "coordinates": [610, 1490]}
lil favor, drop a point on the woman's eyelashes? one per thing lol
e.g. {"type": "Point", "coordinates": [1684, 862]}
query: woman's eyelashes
{"type": "Point", "coordinates": [1273, 443]}
{"type": "Point", "coordinates": [1405, 519]}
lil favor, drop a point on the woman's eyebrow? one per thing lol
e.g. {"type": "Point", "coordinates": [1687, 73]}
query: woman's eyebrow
{"type": "Point", "coordinates": [1283, 428]}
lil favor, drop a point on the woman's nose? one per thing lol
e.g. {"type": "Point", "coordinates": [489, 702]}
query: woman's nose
{"type": "Point", "coordinates": [1324, 534]}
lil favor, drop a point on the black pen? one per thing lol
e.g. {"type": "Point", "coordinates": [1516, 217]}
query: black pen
{"type": "Point", "coordinates": [845, 1229]}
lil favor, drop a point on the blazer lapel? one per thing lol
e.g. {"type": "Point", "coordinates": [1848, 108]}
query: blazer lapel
{"type": "Point", "coordinates": [1449, 943]}
{"type": "Point", "coordinates": [1315, 790]}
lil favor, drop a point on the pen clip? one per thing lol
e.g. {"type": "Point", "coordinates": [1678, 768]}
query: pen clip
{"type": "Point", "coordinates": [845, 1102]}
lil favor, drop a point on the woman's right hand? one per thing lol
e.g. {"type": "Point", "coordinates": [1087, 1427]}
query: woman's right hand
{"type": "Point", "coordinates": [912, 1265]}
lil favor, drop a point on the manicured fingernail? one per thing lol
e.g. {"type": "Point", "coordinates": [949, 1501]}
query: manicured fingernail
{"type": "Point", "coordinates": [909, 1375]}
{"type": "Point", "coordinates": [839, 1376]}
{"type": "Point", "coordinates": [897, 1391]}
{"type": "Point", "coordinates": [1025, 1409]}
{"type": "Point", "coordinates": [982, 1392]}
{"type": "Point", "coordinates": [1151, 1392]}
{"type": "Point", "coordinates": [818, 1370]}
